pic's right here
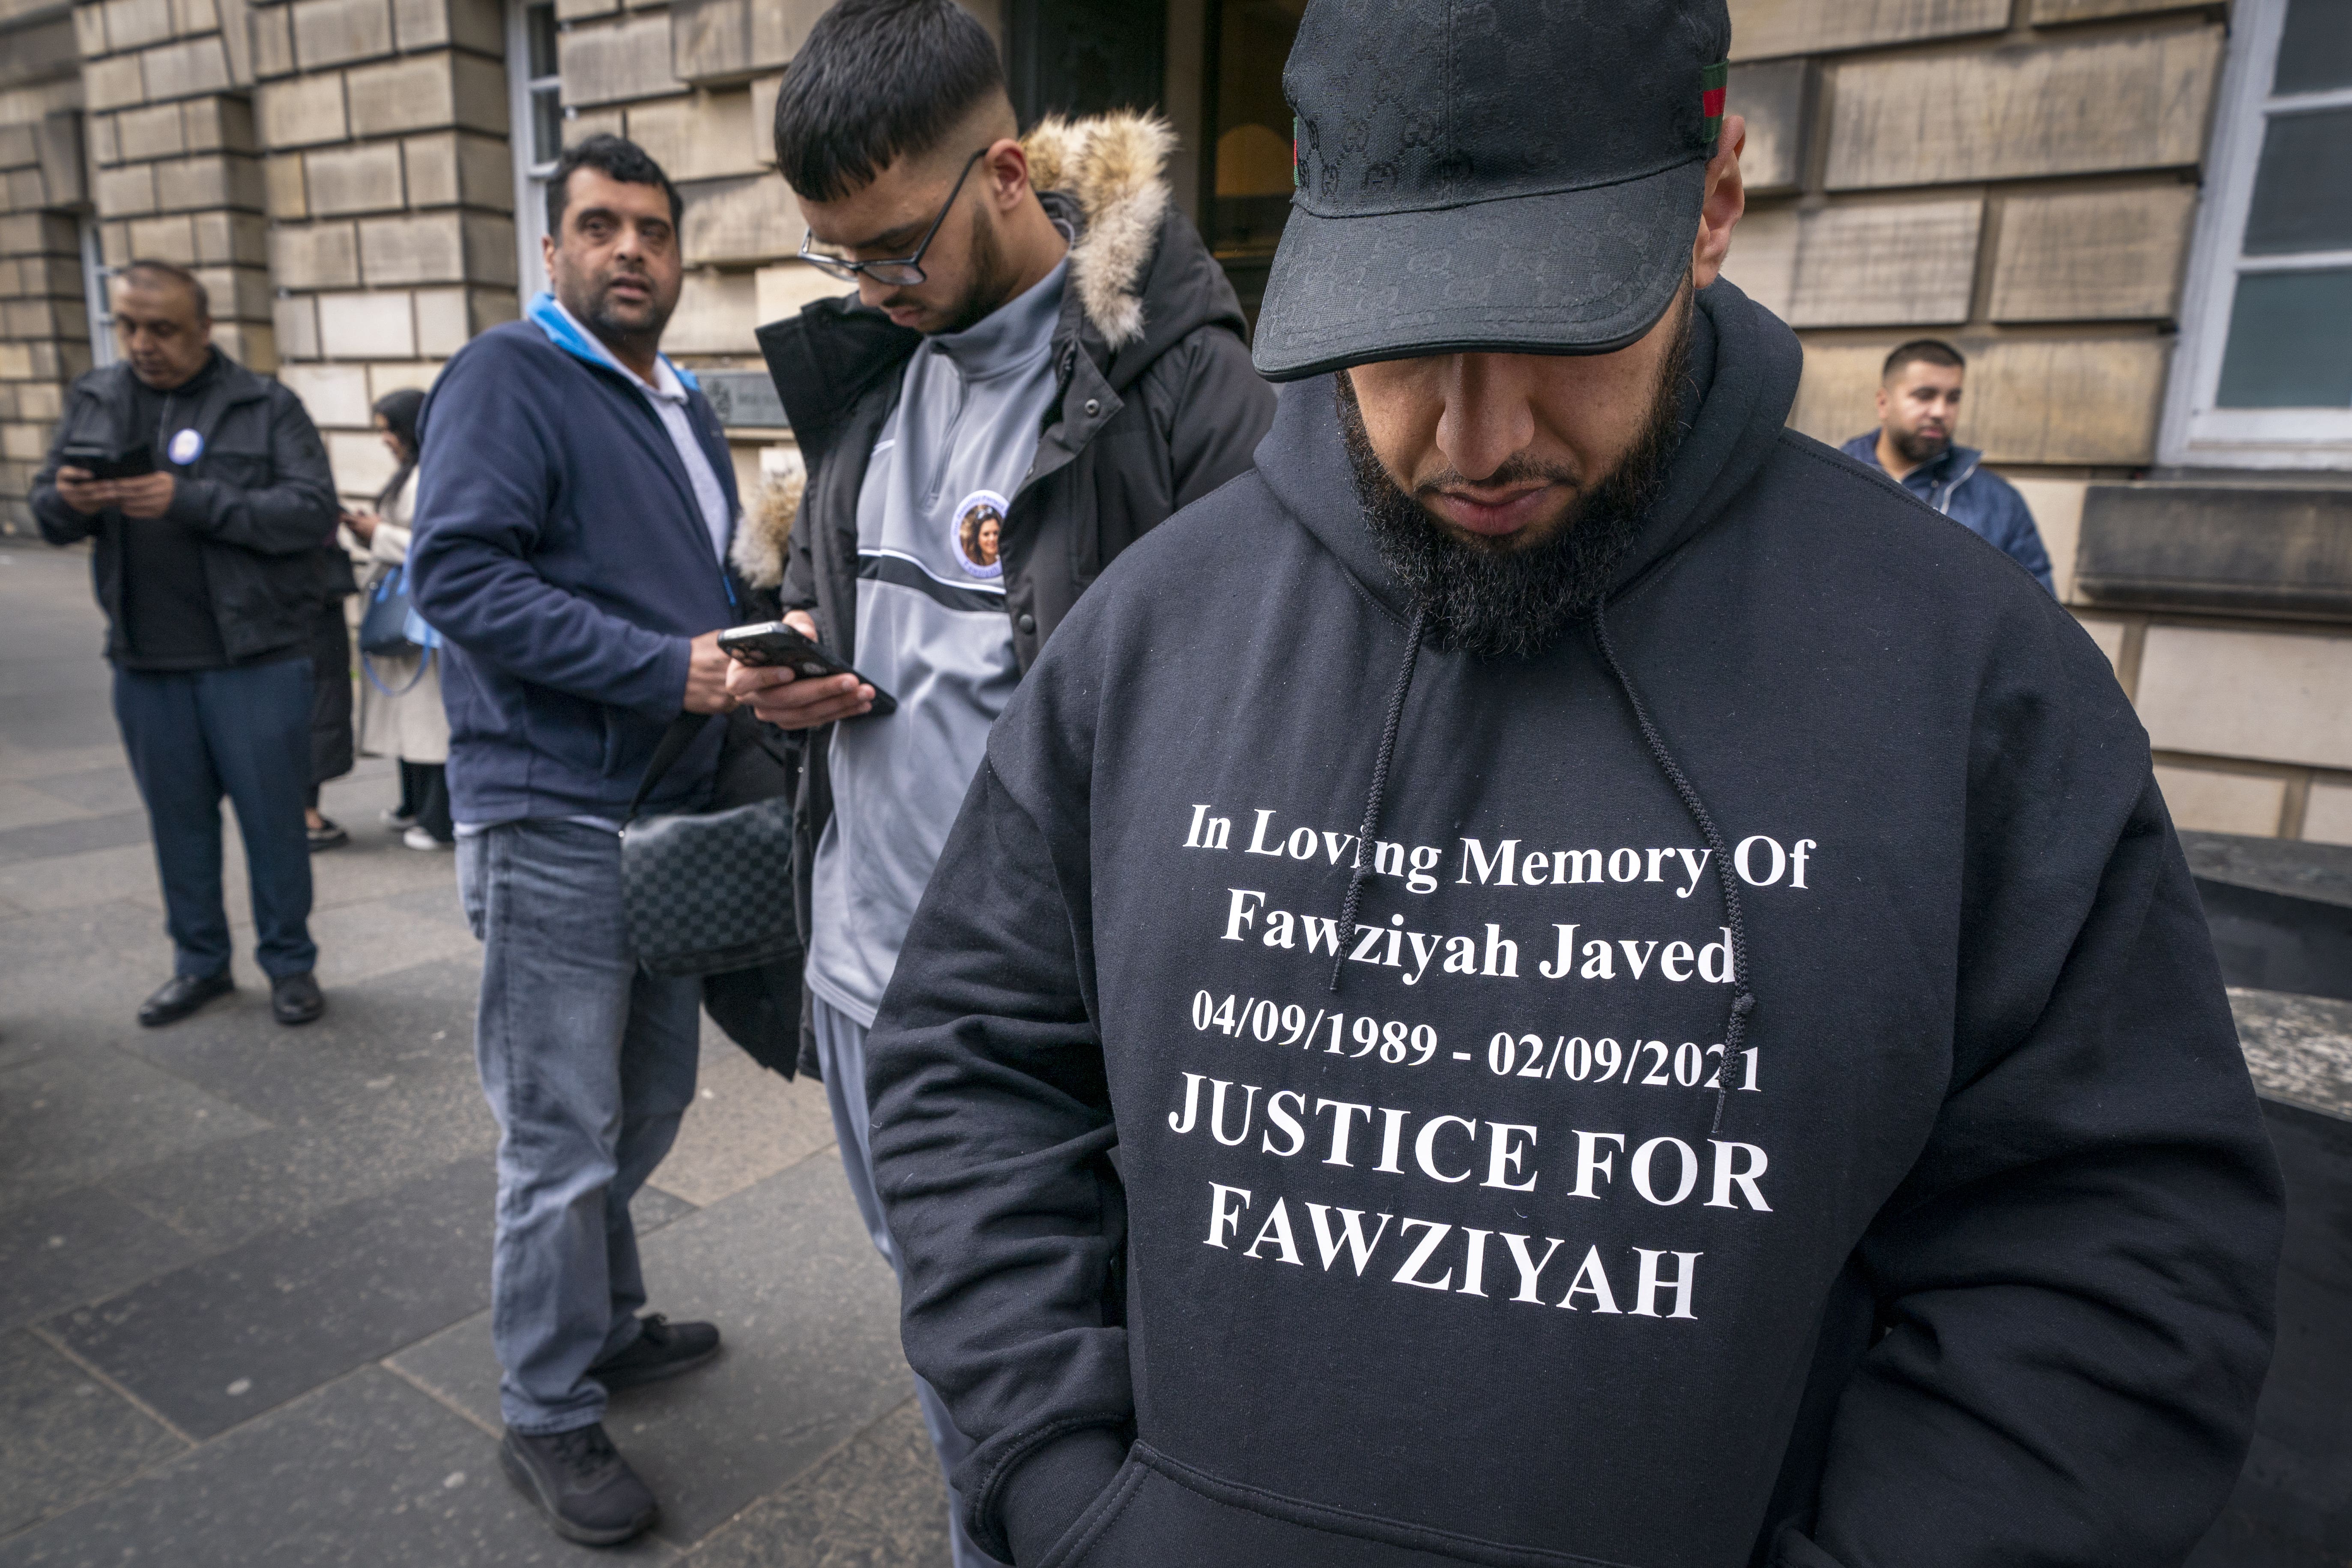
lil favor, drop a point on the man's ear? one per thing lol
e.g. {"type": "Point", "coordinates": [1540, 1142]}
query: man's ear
{"type": "Point", "coordinates": [1006, 167]}
{"type": "Point", "coordinates": [1726, 200]}
{"type": "Point", "coordinates": [1884, 400]}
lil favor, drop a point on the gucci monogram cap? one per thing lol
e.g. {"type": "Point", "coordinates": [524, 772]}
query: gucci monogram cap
{"type": "Point", "coordinates": [1513, 176]}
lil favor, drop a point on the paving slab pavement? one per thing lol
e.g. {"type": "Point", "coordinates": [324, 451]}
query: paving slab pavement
{"type": "Point", "coordinates": [244, 1269]}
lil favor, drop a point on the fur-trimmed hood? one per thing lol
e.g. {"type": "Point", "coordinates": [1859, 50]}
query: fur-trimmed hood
{"type": "Point", "coordinates": [1112, 166]}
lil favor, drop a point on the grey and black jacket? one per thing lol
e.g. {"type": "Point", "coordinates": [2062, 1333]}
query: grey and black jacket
{"type": "Point", "coordinates": [1157, 405]}
{"type": "Point", "coordinates": [259, 498]}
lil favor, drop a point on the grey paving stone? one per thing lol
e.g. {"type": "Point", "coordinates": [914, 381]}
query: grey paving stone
{"type": "Point", "coordinates": [810, 1316]}
{"type": "Point", "coordinates": [63, 1436]}
{"type": "Point", "coordinates": [22, 806]}
{"type": "Point", "coordinates": [71, 1117]}
{"type": "Point", "coordinates": [78, 1248]}
{"type": "Point", "coordinates": [81, 973]}
{"type": "Point", "coordinates": [220, 1341]}
{"type": "Point", "coordinates": [365, 1473]}
{"type": "Point", "coordinates": [876, 1503]}
{"type": "Point", "coordinates": [46, 840]}
{"type": "Point", "coordinates": [747, 1124]}
{"type": "Point", "coordinates": [92, 790]}
{"type": "Point", "coordinates": [94, 877]}
{"type": "Point", "coordinates": [406, 1033]}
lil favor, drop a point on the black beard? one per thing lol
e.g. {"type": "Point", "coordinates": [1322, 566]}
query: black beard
{"type": "Point", "coordinates": [992, 282]}
{"type": "Point", "coordinates": [1513, 603]}
{"type": "Point", "coordinates": [1917, 448]}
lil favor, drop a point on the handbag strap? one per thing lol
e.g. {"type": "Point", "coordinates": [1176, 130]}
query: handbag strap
{"type": "Point", "coordinates": [424, 667]}
{"type": "Point", "coordinates": [673, 744]}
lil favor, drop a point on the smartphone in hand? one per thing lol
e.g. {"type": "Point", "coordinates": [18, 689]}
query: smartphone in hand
{"type": "Point", "coordinates": [777, 643]}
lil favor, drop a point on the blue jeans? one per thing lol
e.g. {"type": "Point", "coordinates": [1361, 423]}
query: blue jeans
{"type": "Point", "coordinates": [193, 736]}
{"type": "Point", "coordinates": [841, 1055]}
{"type": "Point", "coordinates": [588, 1062]}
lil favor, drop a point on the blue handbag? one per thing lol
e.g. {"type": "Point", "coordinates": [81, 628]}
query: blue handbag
{"type": "Point", "coordinates": [392, 629]}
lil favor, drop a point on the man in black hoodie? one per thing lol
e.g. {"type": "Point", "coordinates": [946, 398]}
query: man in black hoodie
{"type": "Point", "coordinates": [1559, 975]}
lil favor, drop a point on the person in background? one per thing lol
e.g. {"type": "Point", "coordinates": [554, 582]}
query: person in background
{"type": "Point", "coordinates": [207, 568]}
{"type": "Point", "coordinates": [1918, 409]}
{"type": "Point", "coordinates": [399, 698]}
{"type": "Point", "coordinates": [331, 692]}
{"type": "Point", "coordinates": [574, 506]}
{"type": "Point", "coordinates": [1042, 363]}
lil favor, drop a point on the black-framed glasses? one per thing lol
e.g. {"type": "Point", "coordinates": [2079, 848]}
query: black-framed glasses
{"type": "Point", "coordinates": [900, 272]}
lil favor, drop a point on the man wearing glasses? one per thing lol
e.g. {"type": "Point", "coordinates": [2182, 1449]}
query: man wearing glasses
{"type": "Point", "coordinates": [1042, 362]}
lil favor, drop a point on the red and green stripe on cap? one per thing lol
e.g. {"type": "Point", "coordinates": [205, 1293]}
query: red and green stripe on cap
{"type": "Point", "coordinates": [1713, 81]}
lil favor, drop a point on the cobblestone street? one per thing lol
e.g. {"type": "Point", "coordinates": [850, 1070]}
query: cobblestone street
{"type": "Point", "coordinates": [245, 1269]}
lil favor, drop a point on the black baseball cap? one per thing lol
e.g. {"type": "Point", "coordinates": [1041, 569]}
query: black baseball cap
{"type": "Point", "coordinates": [1514, 176]}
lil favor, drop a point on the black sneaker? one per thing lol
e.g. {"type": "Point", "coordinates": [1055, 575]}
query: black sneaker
{"type": "Point", "coordinates": [328, 835]}
{"type": "Point", "coordinates": [181, 996]}
{"type": "Point", "coordinates": [580, 1482]}
{"type": "Point", "coordinates": [663, 1350]}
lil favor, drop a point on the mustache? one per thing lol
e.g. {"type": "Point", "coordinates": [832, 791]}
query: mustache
{"type": "Point", "coordinates": [1517, 469]}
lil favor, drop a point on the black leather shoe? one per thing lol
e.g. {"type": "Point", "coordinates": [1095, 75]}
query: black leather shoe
{"type": "Point", "coordinates": [580, 1482]}
{"type": "Point", "coordinates": [663, 1350]}
{"type": "Point", "coordinates": [183, 995]}
{"type": "Point", "coordinates": [294, 999]}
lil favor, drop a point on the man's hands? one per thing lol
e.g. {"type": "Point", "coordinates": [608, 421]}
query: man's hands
{"type": "Point", "coordinates": [363, 525]}
{"type": "Point", "coordinates": [708, 673]}
{"type": "Point", "coordinates": [790, 702]}
{"type": "Point", "coordinates": [147, 497]}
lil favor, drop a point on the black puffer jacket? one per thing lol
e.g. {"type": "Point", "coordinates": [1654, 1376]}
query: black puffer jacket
{"type": "Point", "coordinates": [1157, 405]}
{"type": "Point", "coordinates": [260, 501]}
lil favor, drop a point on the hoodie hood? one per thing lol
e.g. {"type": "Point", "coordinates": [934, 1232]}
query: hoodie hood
{"type": "Point", "coordinates": [1741, 382]}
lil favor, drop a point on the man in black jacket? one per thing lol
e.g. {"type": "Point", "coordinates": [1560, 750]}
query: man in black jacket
{"type": "Point", "coordinates": [207, 566]}
{"type": "Point", "coordinates": [1609, 988]}
{"type": "Point", "coordinates": [1042, 362]}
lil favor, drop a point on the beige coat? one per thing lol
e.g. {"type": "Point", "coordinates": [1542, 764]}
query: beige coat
{"type": "Point", "coordinates": [408, 724]}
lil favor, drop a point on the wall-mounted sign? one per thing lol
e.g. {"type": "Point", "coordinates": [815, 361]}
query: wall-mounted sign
{"type": "Point", "coordinates": [743, 399]}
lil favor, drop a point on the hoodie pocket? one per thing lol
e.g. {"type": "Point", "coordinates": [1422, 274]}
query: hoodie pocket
{"type": "Point", "coordinates": [1158, 1512]}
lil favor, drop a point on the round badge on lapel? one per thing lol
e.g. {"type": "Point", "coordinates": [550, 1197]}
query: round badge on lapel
{"type": "Point", "coordinates": [187, 447]}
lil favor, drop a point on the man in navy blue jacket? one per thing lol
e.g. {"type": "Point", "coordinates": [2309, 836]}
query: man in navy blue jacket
{"type": "Point", "coordinates": [574, 507]}
{"type": "Point", "coordinates": [1918, 407]}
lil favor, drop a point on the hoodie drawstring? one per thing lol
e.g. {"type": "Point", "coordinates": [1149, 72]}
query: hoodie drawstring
{"type": "Point", "coordinates": [1372, 801]}
{"type": "Point", "coordinates": [1743, 1000]}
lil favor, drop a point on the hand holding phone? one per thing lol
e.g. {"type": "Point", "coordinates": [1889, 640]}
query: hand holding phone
{"type": "Point", "coordinates": [790, 681]}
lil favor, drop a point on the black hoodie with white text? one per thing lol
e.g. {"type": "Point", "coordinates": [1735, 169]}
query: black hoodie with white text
{"type": "Point", "coordinates": [1778, 1102]}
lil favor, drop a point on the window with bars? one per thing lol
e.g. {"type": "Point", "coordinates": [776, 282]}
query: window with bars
{"type": "Point", "coordinates": [536, 85]}
{"type": "Point", "coordinates": [2264, 373]}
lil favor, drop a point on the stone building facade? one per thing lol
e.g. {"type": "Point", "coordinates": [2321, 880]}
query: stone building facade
{"type": "Point", "coordinates": [2119, 209]}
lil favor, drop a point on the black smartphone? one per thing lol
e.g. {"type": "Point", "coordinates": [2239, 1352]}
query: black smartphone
{"type": "Point", "coordinates": [103, 462]}
{"type": "Point", "coordinates": [773, 642]}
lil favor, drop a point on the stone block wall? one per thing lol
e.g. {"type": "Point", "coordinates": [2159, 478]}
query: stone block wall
{"type": "Point", "coordinates": [43, 322]}
{"type": "Point", "coordinates": [390, 189]}
{"type": "Point", "coordinates": [2022, 177]}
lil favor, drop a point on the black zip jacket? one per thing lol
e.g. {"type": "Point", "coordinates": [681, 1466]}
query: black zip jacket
{"type": "Point", "coordinates": [1157, 405]}
{"type": "Point", "coordinates": [259, 498]}
{"type": "Point", "coordinates": [1774, 1101]}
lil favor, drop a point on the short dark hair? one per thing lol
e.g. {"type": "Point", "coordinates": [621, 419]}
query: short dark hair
{"type": "Point", "coordinates": [615, 157]}
{"type": "Point", "coordinates": [1923, 351]}
{"type": "Point", "coordinates": [154, 272]}
{"type": "Point", "coordinates": [875, 80]}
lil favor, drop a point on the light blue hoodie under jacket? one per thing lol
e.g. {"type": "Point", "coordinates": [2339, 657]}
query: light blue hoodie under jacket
{"type": "Point", "coordinates": [1958, 485]}
{"type": "Point", "coordinates": [561, 553]}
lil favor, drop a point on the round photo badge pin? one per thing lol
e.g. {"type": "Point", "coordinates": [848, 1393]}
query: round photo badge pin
{"type": "Point", "coordinates": [187, 447]}
{"type": "Point", "coordinates": [979, 525]}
